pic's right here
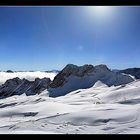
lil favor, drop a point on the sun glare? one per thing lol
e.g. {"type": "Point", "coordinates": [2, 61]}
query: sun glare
{"type": "Point", "coordinates": [101, 14]}
{"type": "Point", "coordinates": [100, 10]}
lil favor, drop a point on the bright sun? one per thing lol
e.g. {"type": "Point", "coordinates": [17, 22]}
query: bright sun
{"type": "Point", "coordinates": [100, 10]}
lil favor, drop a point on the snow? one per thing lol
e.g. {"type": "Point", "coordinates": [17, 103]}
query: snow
{"type": "Point", "coordinates": [73, 82]}
{"type": "Point", "coordinates": [96, 110]}
{"type": "Point", "coordinates": [27, 75]}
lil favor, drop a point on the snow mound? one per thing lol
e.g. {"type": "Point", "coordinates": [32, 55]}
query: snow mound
{"type": "Point", "coordinates": [99, 84]}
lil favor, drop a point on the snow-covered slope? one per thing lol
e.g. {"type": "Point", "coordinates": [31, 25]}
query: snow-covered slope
{"type": "Point", "coordinates": [98, 109]}
{"type": "Point", "coordinates": [96, 100]}
{"type": "Point", "coordinates": [73, 77]}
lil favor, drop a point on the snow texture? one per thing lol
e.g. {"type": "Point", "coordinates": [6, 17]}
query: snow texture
{"type": "Point", "coordinates": [99, 109]}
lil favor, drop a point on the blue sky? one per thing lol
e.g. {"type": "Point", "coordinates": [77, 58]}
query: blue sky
{"type": "Point", "coordinates": [45, 38]}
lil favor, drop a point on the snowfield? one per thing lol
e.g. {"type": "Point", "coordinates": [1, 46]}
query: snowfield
{"type": "Point", "coordinates": [27, 75]}
{"type": "Point", "coordinates": [96, 110]}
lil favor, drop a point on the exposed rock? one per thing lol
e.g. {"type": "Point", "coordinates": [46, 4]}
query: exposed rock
{"type": "Point", "coordinates": [55, 71]}
{"type": "Point", "coordinates": [74, 77]}
{"type": "Point", "coordinates": [132, 71]}
{"type": "Point", "coordinates": [18, 86]}
{"type": "Point", "coordinates": [71, 78]}
{"type": "Point", "coordinates": [9, 71]}
{"type": "Point", "coordinates": [70, 69]}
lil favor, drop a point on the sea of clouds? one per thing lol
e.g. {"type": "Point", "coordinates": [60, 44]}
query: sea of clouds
{"type": "Point", "coordinates": [27, 75]}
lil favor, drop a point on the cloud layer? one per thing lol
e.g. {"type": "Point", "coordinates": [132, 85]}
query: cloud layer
{"type": "Point", "coordinates": [27, 75]}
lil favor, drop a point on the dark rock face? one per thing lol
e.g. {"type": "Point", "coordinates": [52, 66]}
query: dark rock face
{"type": "Point", "coordinates": [74, 70]}
{"type": "Point", "coordinates": [71, 78]}
{"type": "Point", "coordinates": [9, 71]}
{"type": "Point", "coordinates": [70, 69]}
{"type": "Point", "coordinates": [132, 71]}
{"type": "Point", "coordinates": [56, 71]}
{"type": "Point", "coordinates": [18, 86]}
{"type": "Point", "coordinates": [74, 77]}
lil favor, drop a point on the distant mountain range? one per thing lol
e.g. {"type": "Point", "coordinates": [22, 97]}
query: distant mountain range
{"type": "Point", "coordinates": [17, 86]}
{"type": "Point", "coordinates": [10, 71]}
{"type": "Point", "coordinates": [71, 78]}
{"type": "Point", "coordinates": [132, 71]}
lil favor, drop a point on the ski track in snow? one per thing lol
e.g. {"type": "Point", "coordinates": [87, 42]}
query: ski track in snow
{"type": "Point", "coordinates": [96, 110]}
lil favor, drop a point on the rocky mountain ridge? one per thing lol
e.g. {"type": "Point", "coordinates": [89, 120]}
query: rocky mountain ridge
{"type": "Point", "coordinates": [71, 78]}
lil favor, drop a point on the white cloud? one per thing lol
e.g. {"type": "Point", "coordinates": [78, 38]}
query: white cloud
{"type": "Point", "coordinates": [27, 75]}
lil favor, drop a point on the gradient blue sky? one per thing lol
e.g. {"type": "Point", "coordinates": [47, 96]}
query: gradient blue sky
{"type": "Point", "coordinates": [45, 38]}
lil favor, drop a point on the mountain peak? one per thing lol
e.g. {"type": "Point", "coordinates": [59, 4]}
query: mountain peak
{"type": "Point", "coordinates": [102, 67]}
{"type": "Point", "coordinates": [74, 77]}
{"type": "Point", "coordinates": [17, 86]}
{"type": "Point", "coordinates": [70, 70]}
